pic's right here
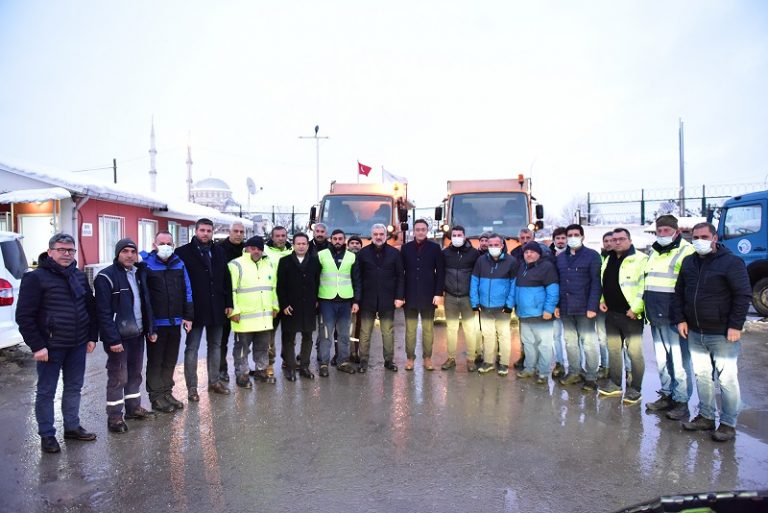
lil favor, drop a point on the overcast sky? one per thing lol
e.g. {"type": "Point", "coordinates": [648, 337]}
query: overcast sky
{"type": "Point", "coordinates": [586, 95]}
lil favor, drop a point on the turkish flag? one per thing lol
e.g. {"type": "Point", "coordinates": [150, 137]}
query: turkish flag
{"type": "Point", "coordinates": [363, 169]}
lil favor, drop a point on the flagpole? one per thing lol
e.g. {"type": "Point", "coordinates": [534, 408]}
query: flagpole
{"type": "Point", "coordinates": [382, 174]}
{"type": "Point", "coordinates": [358, 171]}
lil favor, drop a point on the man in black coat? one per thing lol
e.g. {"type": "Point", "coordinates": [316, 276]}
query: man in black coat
{"type": "Point", "coordinates": [460, 258]}
{"type": "Point", "coordinates": [298, 278]}
{"type": "Point", "coordinates": [125, 318]}
{"type": "Point", "coordinates": [233, 247]}
{"type": "Point", "coordinates": [212, 296]}
{"type": "Point", "coordinates": [424, 280]}
{"type": "Point", "coordinates": [56, 314]}
{"type": "Point", "coordinates": [381, 269]}
{"type": "Point", "coordinates": [712, 297]}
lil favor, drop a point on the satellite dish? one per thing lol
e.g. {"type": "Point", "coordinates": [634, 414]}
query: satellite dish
{"type": "Point", "coordinates": [251, 186]}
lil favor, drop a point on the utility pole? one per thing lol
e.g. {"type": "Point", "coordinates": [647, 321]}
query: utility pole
{"type": "Point", "coordinates": [114, 170]}
{"type": "Point", "coordinates": [152, 155]}
{"type": "Point", "coordinates": [682, 171]}
{"type": "Point", "coordinates": [317, 162]}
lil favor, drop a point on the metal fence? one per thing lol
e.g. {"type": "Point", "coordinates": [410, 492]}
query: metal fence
{"type": "Point", "coordinates": [641, 206]}
{"type": "Point", "coordinates": [278, 215]}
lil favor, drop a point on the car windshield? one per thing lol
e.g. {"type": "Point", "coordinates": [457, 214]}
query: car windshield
{"type": "Point", "coordinates": [502, 212]}
{"type": "Point", "coordinates": [14, 258]}
{"type": "Point", "coordinates": [356, 214]}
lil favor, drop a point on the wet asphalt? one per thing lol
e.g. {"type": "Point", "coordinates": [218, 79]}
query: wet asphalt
{"type": "Point", "coordinates": [407, 441]}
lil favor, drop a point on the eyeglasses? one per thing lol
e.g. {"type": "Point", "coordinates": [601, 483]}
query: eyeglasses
{"type": "Point", "coordinates": [65, 251]}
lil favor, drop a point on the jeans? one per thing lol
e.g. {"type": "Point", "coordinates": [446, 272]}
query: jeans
{"type": "Point", "coordinates": [336, 315]}
{"type": "Point", "coordinates": [674, 362]}
{"type": "Point", "coordinates": [557, 340]}
{"type": "Point", "coordinates": [260, 342]}
{"type": "Point", "coordinates": [713, 356]}
{"type": "Point", "coordinates": [387, 323]}
{"type": "Point", "coordinates": [458, 310]}
{"type": "Point", "coordinates": [213, 339]}
{"type": "Point", "coordinates": [581, 338]}
{"type": "Point", "coordinates": [289, 347]}
{"type": "Point", "coordinates": [535, 336]}
{"type": "Point", "coordinates": [602, 339]}
{"type": "Point", "coordinates": [226, 329]}
{"type": "Point", "coordinates": [496, 330]}
{"type": "Point", "coordinates": [71, 364]}
{"type": "Point", "coordinates": [124, 377]}
{"type": "Point", "coordinates": [427, 336]}
{"type": "Point", "coordinates": [623, 331]}
{"type": "Point", "coordinates": [161, 361]}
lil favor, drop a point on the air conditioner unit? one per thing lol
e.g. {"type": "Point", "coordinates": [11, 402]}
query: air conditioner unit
{"type": "Point", "coordinates": [91, 270]}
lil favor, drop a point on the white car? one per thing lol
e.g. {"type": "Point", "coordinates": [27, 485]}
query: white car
{"type": "Point", "coordinates": [13, 265]}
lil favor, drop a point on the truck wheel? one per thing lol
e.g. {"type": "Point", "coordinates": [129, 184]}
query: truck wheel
{"type": "Point", "coordinates": [760, 297]}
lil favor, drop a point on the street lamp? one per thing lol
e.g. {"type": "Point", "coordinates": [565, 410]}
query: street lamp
{"type": "Point", "coordinates": [317, 160]}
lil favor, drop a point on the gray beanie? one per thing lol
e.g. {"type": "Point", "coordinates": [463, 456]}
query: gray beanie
{"type": "Point", "coordinates": [124, 243]}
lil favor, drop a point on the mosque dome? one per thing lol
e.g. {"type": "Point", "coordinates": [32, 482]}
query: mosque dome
{"type": "Point", "coordinates": [211, 184]}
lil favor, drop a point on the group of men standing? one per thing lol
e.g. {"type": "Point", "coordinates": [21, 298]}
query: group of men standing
{"type": "Point", "coordinates": [695, 297]}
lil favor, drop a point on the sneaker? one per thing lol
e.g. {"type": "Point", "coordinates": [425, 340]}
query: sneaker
{"type": "Point", "coordinates": [663, 403]}
{"type": "Point", "coordinates": [323, 371]}
{"type": "Point", "coordinates": [632, 396]}
{"type": "Point", "coordinates": [724, 433]}
{"type": "Point", "coordinates": [603, 373]}
{"type": "Point", "coordinates": [520, 364]}
{"type": "Point", "coordinates": [609, 389]}
{"type": "Point", "coordinates": [558, 371]}
{"type": "Point", "coordinates": [589, 386]}
{"type": "Point", "coordinates": [49, 444]}
{"type": "Point", "coordinates": [471, 366]}
{"type": "Point", "coordinates": [450, 363]}
{"type": "Point", "coordinates": [503, 370]}
{"type": "Point", "coordinates": [679, 411]}
{"type": "Point", "coordinates": [699, 423]}
{"type": "Point", "coordinates": [485, 368]}
{"type": "Point", "coordinates": [571, 379]}
{"type": "Point", "coordinates": [524, 374]}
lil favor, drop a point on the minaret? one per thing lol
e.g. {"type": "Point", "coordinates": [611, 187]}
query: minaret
{"type": "Point", "coordinates": [189, 172]}
{"type": "Point", "coordinates": [152, 155]}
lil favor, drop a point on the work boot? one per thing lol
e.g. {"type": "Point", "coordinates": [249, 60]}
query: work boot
{"type": "Point", "coordinates": [699, 423]}
{"type": "Point", "coordinates": [244, 382]}
{"type": "Point", "coordinates": [323, 371]}
{"type": "Point", "coordinates": [724, 433]}
{"type": "Point", "coordinates": [449, 363]}
{"type": "Point", "coordinates": [174, 402]}
{"type": "Point", "coordinates": [540, 379]}
{"type": "Point", "coordinates": [49, 444]}
{"type": "Point", "coordinates": [219, 388]}
{"type": "Point", "coordinates": [558, 371]}
{"type": "Point", "coordinates": [304, 372]}
{"type": "Point", "coordinates": [140, 414]}
{"type": "Point", "coordinates": [609, 389]}
{"type": "Point", "coordinates": [678, 411]}
{"type": "Point", "coordinates": [663, 403]}
{"type": "Point", "coordinates": [162, 405]}
{"type": "Point", "coordinates": [79, 434]}
{"type": "Point", "coordinates": [264, 377]}
{"type": "Point", "coordinates": [390, 365]}
{"type": "Point", "coordinates": [117, 425]}
{"type": "Point", "coordinates": [363, 367]}
{"type": "Point", "coordinates": [571, 379]}
{"type": "Point", "coordinates": [632, 396]}
{"type": "Point", "coordinates": [346, 367]}
{"type": "Point", "coordinates": [589, 386]}
{"type": "Point", "coordinates": [525, 374]}
{"type": "Point", "coordinates": [193, 396]}
{"type": "Point", "coordinates": [290, 374]}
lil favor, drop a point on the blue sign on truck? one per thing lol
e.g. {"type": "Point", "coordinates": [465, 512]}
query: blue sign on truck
{"type": "Point", "coordinates": [743, 228]}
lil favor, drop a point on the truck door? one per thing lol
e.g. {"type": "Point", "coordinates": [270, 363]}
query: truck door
{"type": "Point", "coordinates": [745, 231]}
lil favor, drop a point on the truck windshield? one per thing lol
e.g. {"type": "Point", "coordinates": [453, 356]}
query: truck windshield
{"type": "Point", "coordinates": [502, 212]}
{"type": "Point", "coordinates": [355, 214]}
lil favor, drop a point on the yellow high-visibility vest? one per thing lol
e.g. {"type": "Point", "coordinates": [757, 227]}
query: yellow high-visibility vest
{"type": "Point", "coordinates": [335, 281]}
{"type": "Point", "coordinates": [254, 294]}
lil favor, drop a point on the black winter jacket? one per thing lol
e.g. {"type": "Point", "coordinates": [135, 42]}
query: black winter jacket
{"type": "Point", "coordinates": [424, 274]}
{"type": "Point", "coordinates": [231, 251]}
{"type": "Point", "coordinates": [48, 313]}
{"type": "Point", "coordinates": [211, 284]}
{"type": "Point", "coordinates": [382, 276]}
{"type": "Point", "coordinates": [459, 263]}
{"type": "Point", "coordinates": [712, 293]}
{"type": "Point", "coordinates": [114, 303]}
{"type": "Point", "coordinates": [297, 285]}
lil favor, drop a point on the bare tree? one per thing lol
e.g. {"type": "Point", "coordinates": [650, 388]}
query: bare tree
{"type": "Point", "coordinates": [575, 211]}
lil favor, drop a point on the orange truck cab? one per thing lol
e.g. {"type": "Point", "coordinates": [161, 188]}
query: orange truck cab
{"type": "Point", "coordinates": [503, 206]}
{"type": "Point", "coordinates": [356, 207]}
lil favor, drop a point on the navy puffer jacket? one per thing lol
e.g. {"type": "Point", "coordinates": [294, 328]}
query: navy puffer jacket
{"type": "Point", "coordinates": [580, 287]}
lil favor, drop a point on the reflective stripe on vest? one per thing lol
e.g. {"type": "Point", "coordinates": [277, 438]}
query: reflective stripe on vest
{"type": "Point", "coordinates": [664, 280]}
{"type": "Point", "coordinates": [335, 281]}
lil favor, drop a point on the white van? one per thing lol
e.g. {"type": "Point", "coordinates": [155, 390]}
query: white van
{"type": "Point", "coordinates": [13, 265]}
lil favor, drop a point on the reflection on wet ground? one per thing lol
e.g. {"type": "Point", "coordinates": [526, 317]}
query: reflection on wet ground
{"type": "Point", "coordinates": [408, 441]}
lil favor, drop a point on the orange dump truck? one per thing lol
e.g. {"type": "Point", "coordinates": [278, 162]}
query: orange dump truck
{"type": "Point", "coordinates": [356, 207]}
{"type": "Point", "coordinates": [503, 206]}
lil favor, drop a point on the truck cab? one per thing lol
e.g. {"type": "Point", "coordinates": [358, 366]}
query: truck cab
{"type": "Point", "coordinates": [502, 206]}
{"type": "Point", "coordinates": [743, 228]}
{"type": "Point", "coordinates": [355, 208]}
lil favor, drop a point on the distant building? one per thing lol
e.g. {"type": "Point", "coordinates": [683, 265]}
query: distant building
{"type": "Point", "coordinates": [212, 192]}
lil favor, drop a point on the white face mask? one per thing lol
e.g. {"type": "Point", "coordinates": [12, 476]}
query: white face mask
{"type": "Point", "coordinates": [574, 242]}
{"type": "Point", "coordinates": [457, 242]}
{"type": "Point", "coordinates": [665, 241]}
{"type": "Point", "coordinates": [702, 247]}
{"type": "Point", "coordinates": [494, 252]}
{"type": "Point", "coordinates": [164, 251]}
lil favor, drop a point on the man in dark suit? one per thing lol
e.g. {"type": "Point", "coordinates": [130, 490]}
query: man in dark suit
{"type": "Point", "coordinates": [212, 296]}
{"type": "Point", "coordinates": [381, 269]}
{"type": "Point", "coordinates": [424, 280]}
{"type": "Point", "coordinates": [298, 279]}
